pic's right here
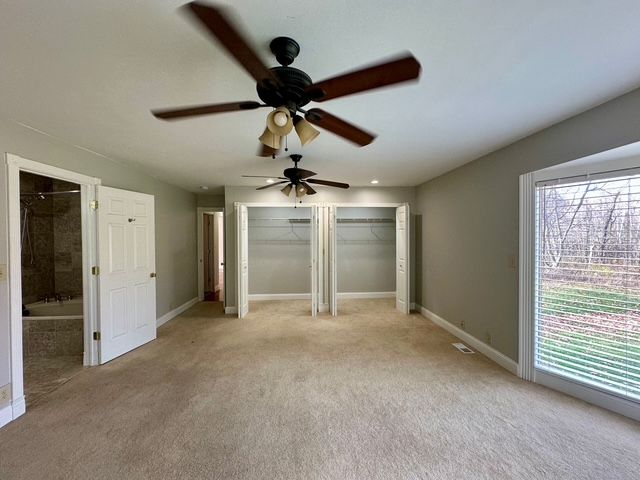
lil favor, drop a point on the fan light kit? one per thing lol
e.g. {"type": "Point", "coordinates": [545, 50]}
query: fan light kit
{"type": "Point", "coordinates": [298, 179]}
{"type": "Point", "coordinates": [287, 89]}
{"type": "Point", "coordinates": [374, 181]}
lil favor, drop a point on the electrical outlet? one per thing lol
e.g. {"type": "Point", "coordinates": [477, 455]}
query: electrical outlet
{"type": "Point", "coordinates": [5, 394]}
{"type": "Point", "coordinates": [3, 273]}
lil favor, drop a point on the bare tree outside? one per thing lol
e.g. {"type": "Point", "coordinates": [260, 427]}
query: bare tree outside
{"type": "Point", "coordinates": [588, 281]}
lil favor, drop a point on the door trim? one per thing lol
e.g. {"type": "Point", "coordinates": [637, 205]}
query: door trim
{"type": "Point", "coordinates": [15, 164]}
{"type": "Point", "coordinates": [200, 221]}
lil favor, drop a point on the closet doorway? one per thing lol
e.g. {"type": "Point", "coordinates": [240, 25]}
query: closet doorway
{"type": "Point", "coordinates": [368, 255]}
{"type": "Point", "coordinates": [277, 257]}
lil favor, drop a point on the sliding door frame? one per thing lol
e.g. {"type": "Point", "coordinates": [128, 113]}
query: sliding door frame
{"type": "Point", "coordinates": [612, 163]}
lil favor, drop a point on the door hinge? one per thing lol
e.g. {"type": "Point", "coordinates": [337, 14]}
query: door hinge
{"type": "Point", "coordinates": [95, 270]}
{"type": "Point", "coordinates": [96, 335]}
{"type": "Point", "coordinates": [94, 205]}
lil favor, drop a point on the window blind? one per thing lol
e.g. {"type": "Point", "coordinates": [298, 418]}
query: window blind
{"type": "Point", "coordinates": [587, 301]}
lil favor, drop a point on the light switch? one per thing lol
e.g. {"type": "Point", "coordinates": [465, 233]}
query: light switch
{"type": "Point", "coordinates": [3, 273]}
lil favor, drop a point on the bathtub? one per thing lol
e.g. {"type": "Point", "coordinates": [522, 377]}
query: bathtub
{"type": "Point", "coordinates": [53, 329]}
{"type": "Point", "coordinates": [66, 310]}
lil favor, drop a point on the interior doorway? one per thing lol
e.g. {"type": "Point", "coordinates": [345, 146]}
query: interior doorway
{"type": "Point", "coordinates": [211, 255]}
{"type": "Point", "coordinates": [52, 283]}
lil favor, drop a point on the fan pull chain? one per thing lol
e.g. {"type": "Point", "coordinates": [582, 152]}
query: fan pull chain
{"type": "Point", "coordinates": [286, 143]}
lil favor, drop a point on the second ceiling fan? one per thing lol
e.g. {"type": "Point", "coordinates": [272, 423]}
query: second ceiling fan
{"type": "Point", "coordinates": [287, 89]}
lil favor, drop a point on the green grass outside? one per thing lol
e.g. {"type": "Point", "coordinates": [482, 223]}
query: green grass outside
{"type": "Point", "coordinates": [571, 301]}
{"type": "Point", "coordinates": [593, 354]}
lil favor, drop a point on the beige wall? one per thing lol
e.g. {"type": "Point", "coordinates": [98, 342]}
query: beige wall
{"type": "Point", "coordinates": [175, 218]}
{"type": "Point", "coordinates": [206, 200]}
{"type": "Point", "coordinates": [469, 220]}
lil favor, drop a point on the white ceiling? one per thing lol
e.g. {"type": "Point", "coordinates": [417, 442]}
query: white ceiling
{"type": "Point", "coordinates": [494, 71]}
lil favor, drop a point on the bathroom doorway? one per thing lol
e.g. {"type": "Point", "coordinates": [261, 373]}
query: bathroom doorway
{"type": "Point", "coordinates": [52, 283]}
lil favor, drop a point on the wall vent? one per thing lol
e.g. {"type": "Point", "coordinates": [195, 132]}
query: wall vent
{"type": "Point", "coordinates": [463, 348]}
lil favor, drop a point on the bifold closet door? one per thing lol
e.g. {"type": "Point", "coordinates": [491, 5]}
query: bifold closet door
{"type": "Point", "coordinates": [315, 242]}
{"type": "Point", "coordinates": [242, 225]}
{"type": "Point", "coordinates": [333, 271]}
{"type": "Point", "coordinates": [402, 258]}
{"type": "Point", "coordinates": [127, 289]}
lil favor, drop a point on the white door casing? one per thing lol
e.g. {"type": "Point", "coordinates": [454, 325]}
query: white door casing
{"type": "Point", "coordinates": [242, 224]}
{"type": "Point", "coordinates": [402, 258]}
{"type": "Point", "coordinates": [333, 271]}
{"type": "Point", "coordinates": [127, 289]}
{"type": "Point", "coordinates": [314, 260]}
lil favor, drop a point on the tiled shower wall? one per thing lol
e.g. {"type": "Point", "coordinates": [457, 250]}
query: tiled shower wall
{"type": "Point", "coordinates": [53, 264]}
{"type": "Point", "coordinates": [67, 240]}
{"type": "Point", "coordinates": [37, 247]}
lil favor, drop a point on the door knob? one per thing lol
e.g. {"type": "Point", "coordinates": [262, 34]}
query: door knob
{"type": "Point", "coordinates": [153, 275]}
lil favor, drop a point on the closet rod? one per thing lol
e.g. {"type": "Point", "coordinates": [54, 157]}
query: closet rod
{"type": "Point", "coordinates": [366, 220]}
{"type": "Point", "coordinates": [290, 220]}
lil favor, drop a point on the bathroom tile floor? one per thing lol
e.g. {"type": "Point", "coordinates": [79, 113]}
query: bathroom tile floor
{"type": "Point", "coordinates": [43, 375]}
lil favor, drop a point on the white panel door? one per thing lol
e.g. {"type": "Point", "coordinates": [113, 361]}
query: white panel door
{"type": "Point", "coordinates": [242, 223]}
{"type": "Point", "coordinates": [402, 258]}
{"type": "Point", "coordinates": [333, 271]}
{"type": "Point", "coordinates": [127, 289]}
{"type": "Point", "coordinates": [314, 260]}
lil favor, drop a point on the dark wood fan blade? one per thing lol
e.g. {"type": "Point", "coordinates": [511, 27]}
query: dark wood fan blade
{"type": "Point", "coordinates": [310, 191]}
{"type": "Point", "coordinates": [267, 151]}
{"type": "Point", "coordinates": [218, 24]}
{"type": "Point", "coordinates": [381, 75]}
{"type": "Point", "coordinates": [387, 73]}
{"type": "Point", "coordinates": [272, 185]}
{"type": "Point", "coordinates": [264, 176]}
{"type": "Point", "coordinates": [298, 172]}
{"type": "Point", "coordinates": [339, 127]}
{"type": "Point", "coordinates": [328, 183]}
{"type": "Point", "coordinates": [195, 110]}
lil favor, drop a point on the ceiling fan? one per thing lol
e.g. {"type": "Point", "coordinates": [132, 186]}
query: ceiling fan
{"type": "Point", "coordinates": [287, 89]}
{"type": "Point", "coordinates": [298, 180]}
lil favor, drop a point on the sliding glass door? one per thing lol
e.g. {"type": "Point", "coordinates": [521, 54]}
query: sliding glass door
{"type": "Point", "coordinates": [587, 282]}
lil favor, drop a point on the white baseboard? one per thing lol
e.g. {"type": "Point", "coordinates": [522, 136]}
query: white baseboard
{"type": "Point", "coordinates": [366, 294]}
{"type": "Point", "coordinates": [176, 311]}
{"type": "Point", "coordinates": [12, 411]}
{"type": "Point", "coordinates": [231, 310]}
{"type": "Point", "coordinates": [18, 407]}
{"type": "Point", "coordinates": [500, 358]}
{"type": "Point", "coordinates": [6, 415]}
{"type": "Point", "coordinates": [261, 297]}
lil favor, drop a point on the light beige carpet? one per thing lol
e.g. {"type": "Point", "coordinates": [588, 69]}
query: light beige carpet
{"type": "Point", "coordinates": [371, 394]}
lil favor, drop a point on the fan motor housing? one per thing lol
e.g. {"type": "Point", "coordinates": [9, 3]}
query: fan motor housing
{"type": "Point", "coordinates": [292, 93]}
